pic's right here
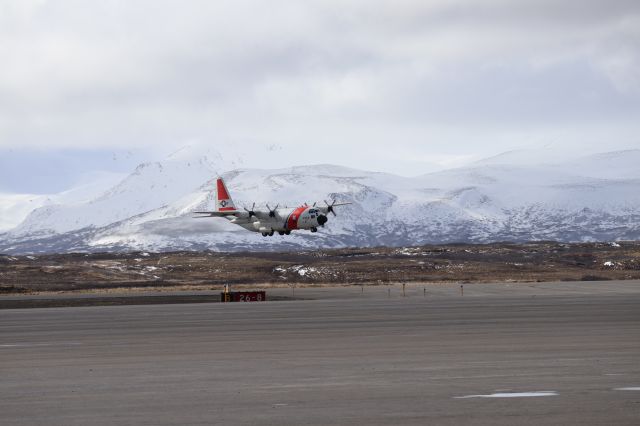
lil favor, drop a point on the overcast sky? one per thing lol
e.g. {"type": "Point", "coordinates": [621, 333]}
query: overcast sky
{"type": "Point", "coordinates": [398, 86]}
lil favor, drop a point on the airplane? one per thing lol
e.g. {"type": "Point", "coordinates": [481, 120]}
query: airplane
{"type": "Point", "coordinates": [280, 220]}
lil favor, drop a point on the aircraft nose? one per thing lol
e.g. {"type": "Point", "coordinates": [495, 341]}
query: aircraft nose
{"type": "Point", "coordinates": [322, 219]}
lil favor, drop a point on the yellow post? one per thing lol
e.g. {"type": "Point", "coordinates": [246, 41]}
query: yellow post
{"type": "Point", "coordinates": [226, 293]}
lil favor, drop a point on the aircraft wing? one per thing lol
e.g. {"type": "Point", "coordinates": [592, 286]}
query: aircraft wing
{"type": "Point", "coordinates": [262, 214]}
{"type": "Point", "coordinates": [329, 207]}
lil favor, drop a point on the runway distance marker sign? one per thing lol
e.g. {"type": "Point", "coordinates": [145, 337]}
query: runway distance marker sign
{"type": "Point", "coordinates": [243, 296]}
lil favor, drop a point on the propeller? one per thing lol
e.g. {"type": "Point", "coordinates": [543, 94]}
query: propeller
{"type": "Point", "coordinates": [272, 213]}
{"type": "Point", "coordinates": [330, 207]}
{"type": "Point", "coordinates": [251, 212]}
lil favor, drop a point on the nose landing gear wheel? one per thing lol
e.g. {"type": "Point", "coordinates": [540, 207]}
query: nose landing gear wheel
{"type": "Point", "coordinates": [314, 229]}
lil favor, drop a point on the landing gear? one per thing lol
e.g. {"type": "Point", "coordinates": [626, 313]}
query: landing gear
{"type": "Point", "coordinates": [271, 233]}
{"type": "Point", "coordinates": [314, 229]}
{"type": "Point", "coordinates": [281, 232]}
{"type": "Point", "coordinates": [287, 232]}
{"type": "Point", "coordinates": [264, 234]}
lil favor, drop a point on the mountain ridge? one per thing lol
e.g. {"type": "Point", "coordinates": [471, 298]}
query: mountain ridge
{"type": "Point", "coordinates": [151, 208]}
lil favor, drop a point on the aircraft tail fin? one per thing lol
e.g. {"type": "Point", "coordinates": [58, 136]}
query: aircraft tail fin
{"type": "Point", "coordinates": [224, 203]}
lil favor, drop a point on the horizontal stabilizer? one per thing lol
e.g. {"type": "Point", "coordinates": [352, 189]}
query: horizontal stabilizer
{"type": "Point", "coordinates": [217, 214]}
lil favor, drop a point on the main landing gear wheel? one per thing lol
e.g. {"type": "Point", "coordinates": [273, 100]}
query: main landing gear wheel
{"type": "Point", "coordinates": [287, 232]}
{"type": "Point", "coordinates": [281, 232]}
{"type": "Point", "coordinates": [314, 229]}
{"type": "Point", "coordinates": [271, 233]}
{"type": "Point", "coordinates": [264, 234]}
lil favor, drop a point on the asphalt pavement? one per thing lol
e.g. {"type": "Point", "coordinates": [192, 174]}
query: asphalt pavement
{"type": "Point", "coordinates": [567, 353]}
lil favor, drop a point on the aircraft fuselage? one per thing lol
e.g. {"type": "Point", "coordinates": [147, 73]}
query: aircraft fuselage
{"type": "Point", "coordinates": [282, 220]}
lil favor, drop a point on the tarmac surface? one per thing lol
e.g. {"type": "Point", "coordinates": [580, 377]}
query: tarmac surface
{"type": "Point", "coordinates": [521, 354]}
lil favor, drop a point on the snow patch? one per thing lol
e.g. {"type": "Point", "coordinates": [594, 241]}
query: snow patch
{"type": "Point", "coordinates": [303, 270]}
{"type": "Point", "coordinates": [406, 251]}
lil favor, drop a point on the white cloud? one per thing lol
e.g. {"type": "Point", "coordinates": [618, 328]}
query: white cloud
{"type": "Point", "coordinates": [434, 80]}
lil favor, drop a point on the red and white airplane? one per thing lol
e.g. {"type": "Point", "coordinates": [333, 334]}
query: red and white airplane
{"type": "Point", "coordinates": [280, 220]}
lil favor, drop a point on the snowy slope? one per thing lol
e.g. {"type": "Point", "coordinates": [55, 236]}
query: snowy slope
{"type": "Point", "coordinates": [589, 198]}
{"type": "Point", "coordinates": [14, 208]}
{"type": "Point", "coordinates": [149, 187]}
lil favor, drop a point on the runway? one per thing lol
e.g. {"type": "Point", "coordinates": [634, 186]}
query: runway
{"type": "Point", "coordinates": [550, 356]}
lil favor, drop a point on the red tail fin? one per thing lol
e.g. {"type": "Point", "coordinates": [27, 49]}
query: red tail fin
{"type": "Point", "coordinates": [224, 202]}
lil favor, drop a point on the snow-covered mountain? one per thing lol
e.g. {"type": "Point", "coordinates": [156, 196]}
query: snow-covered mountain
{"type": "Point", "coordinates": [502, 198]}
{"type": "Point", "coordinates": [14, 208]}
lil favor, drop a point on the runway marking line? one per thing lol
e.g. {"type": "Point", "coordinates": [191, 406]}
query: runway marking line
{"type": "Point", "coordinates": [30, 345]}
{"type": "Point", "coordinates": [511, 395]}
{"type": "Point", "coordinates": [633, 388]}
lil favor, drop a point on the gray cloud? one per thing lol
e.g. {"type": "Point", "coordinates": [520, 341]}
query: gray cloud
{"type": "Point", "coordinates": [436, 80]}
